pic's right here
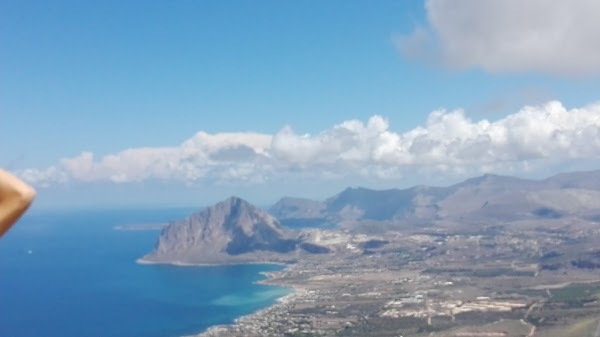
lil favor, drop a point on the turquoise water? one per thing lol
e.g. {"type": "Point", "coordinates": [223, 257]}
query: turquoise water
{"type": "Point", "coordinates": [70, 274]}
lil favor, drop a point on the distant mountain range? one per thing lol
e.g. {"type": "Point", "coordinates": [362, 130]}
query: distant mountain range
{"type": "Point", "coordinates": [489, 198]}
{"type": "Point", "coordinates": [235, 231]}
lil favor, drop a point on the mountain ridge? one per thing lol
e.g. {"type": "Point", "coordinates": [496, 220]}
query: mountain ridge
{"type": "Point", "coordinates": [235, 231]}
{"type": "Point", "coordinates": [488, 198]}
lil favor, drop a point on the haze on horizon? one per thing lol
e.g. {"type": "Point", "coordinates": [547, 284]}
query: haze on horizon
{"type": "Point", "coordinates": [190, 102]}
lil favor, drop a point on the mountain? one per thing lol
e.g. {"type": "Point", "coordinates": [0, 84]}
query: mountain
{"type": "Point", "coordinates": [297, 208]}
{"type": "Point", "coordinates": [488, 198]}
{"type": "Point", "coordinates": [298, 213]}
{"type": "Point", "coordinates": [580, 180]}
{"type": "Point", "coordinates": [232, 231]}
{"type": "Point", "coordinates": [362, 203]}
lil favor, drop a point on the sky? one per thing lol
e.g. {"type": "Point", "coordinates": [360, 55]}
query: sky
{"type": "Point", "coordinates": [120, 103]}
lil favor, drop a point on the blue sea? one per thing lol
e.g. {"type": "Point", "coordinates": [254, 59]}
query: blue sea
{"type": "Point", "coordinates": [71, 274]}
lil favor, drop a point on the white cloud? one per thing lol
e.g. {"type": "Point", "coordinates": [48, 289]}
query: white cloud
{"type": "Point", "coordinates": [448, 142]}
{"type": "Point", "coordinates": [557, 37]}
{"type": "Point", "coordinates": [350, 141]}
{"type": "Point", "coordinates": [44, 178]}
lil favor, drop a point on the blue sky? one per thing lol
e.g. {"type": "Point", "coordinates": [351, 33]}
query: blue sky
{"type": "Point", "coordinates": [274, 78]}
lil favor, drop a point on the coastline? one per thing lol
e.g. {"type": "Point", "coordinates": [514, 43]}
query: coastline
{"type": "Point", "coordinates": [279, 304]}
{"type": "Point", "coordinates": [246, 325]}
{"type": "Point", "coordinates": [190, 264]}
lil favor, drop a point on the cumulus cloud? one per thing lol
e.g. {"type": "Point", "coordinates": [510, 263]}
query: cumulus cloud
{"type": "Point", "coordinates": [557, 37]}
{"type": "Point", "coordinates": [448, 141]}
{"type": "Point", "coordinates": [348, 142]}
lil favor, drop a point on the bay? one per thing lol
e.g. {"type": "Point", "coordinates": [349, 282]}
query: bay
{"type": "Point", "coordinates": [70, 273]}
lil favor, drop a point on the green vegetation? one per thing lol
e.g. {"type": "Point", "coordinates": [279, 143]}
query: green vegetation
{"type": "Point", "coordinates": [575, 292]}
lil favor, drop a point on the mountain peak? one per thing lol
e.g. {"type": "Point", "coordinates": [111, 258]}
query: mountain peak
{"type": "Point", "coordinates": [217, 234]}
{"type": "Point", "coordinates": [234, 204]}
{"type": "Point", "coordinates": [234, 200]}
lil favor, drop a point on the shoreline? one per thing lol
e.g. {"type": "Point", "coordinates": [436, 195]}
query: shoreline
{"type": "Point", "coordinates": [279, 302]}
{"type": "Point", "coordinates": [191, 264]}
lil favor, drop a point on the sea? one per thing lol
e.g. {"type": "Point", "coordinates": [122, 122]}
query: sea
{"type": "Point", "coordinates": [70, 273]}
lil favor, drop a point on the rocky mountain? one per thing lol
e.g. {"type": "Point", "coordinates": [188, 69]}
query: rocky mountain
{"type": "Point", "coordinates": [232, 231]}
{"type": "Point", "coordinates": [297, 208]}
{"type": "Point", "coordinates": [299, 213]}
{"type": "Point", "coordinates": [489, 198]}
{"type": "Point", "coordinates": [362, 203]}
